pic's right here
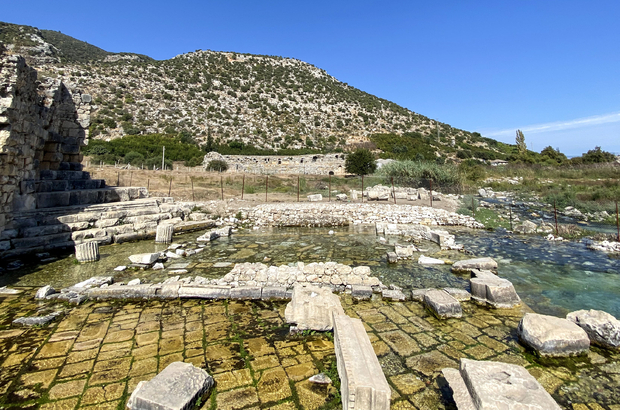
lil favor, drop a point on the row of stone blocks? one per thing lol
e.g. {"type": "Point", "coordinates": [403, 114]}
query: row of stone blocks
{"type": "Point", "coordinates": [174, 290]}
{"type": "Point", "coordinates": [54, 185]}
{"type": "Point", "coordinates": [88, 196]}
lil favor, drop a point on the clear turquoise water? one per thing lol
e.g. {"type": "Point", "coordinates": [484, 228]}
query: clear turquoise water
{"type": "Point", "coordinates": [551, 277]}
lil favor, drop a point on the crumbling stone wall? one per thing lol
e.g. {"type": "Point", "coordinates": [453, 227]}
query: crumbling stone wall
{"type": "Point", "coordinates": [42, 126]}
{"type": "Point", "coordinates": [316, 164]}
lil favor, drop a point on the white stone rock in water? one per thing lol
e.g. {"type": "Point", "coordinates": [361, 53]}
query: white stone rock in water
{"type": "Point", "coordinates": [425, 260]}
{"type": "Point", "coordinates": [177, 387]}
{"type": "Point", "coordinates": [458, 294]}
{"type": "Point", "coordinates": [488, 288]}
{"type": "Point", "coordinates": [552, 336]}
{"type": "Point", "coordinates": [311, 308]}
{"type": "Point", "coordinates": [44, 292]}
{"type": "Point", "coordinates": [120, 268]}
{"type": "Point", "coordinates": [158, 266]}
{"type": "Point", "coordinates": [330, 232]}
{"type": "Point", "coordinates": [171, 255]}
{"type": "Point", "coordinates": [36, 320]}
{"type": "Point", "coordinates": [602, 328]}
{"type": "Point", "coordinates": [467, 265]}
{"type": "Point", "coordinates": [442, 304]}
{"type": "Point", "coordinates": [320, 378]}
{"type": "Point", "coordinates": [8, 291]}
{"type": "Point", "coordinates": [495, 385]}
{"type": "Point", "coordinates": [392, 257]}
{"type": "Point", "coordinates": [527, 227]}
{"type": "Point", "coordinates": [87, 252]}
{"type": "Point", "coordinates": [144, 258]}
{"type": "Point", "coordinates": [341, 197]}
{"type": "Point", "coordinates": [315, 198]}
{"type": "Point", "coordinates": [133, 282]}
{"type": "Point", "coordinates": [95, 281]}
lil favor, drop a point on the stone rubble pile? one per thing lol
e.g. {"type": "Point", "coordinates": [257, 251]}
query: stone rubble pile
{"type": "Point", "coordinates": [605, 246]}
{"type": "Point", "coordinates": [331, 274]}
{"type": "Point", "coordinates": [341, 214]}
{"type": "Point", "coordinates": [385, 193]}
{"type": "Point", "coordinates": [416, 232]}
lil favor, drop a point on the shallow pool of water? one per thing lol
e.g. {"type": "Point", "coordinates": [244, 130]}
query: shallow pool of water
{"type": "Point", "coordinates": [551, 277]}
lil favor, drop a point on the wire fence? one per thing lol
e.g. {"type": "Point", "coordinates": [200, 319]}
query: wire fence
{"type": "Point", "coordinates": [195, 184]}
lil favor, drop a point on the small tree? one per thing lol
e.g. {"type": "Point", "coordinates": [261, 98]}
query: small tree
{"type": "Point", "coordinates": [217, 165]}
{"type": "Point", "coordinates": [360, 162]}
{"type": "Point", "coordinates": [520, 141]}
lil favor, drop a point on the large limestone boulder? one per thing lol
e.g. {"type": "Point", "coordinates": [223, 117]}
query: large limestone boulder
{"type": "Point", "coordinates": [315, 198]}
{"type": "Point", "coordinates": [442, 304]}
{"type": "Point", "coordinates": [494, 385]}
{"type": "Point", "coordinates": [144, 258]}
{"type": "Point", "coordinates": [467, 265]}
{"type": "Point", "coordinates": [488, 288]}
{"type": "Point", "coordinates": [552, 336]}
{"type": "Point", "coordinates": [177, 387]}
{"type": "Point", "coordinates": [602, 328]}
{"type": "Point", "coordinates": [312, 308]}
{"type": "Point", "coordinates": [527, 227]}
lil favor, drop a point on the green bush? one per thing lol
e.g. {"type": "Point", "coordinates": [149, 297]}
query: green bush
{"type": "Point", "coordinates": [217, 165]}
{"type": "Point", "coordinates": [410, 173]}
{"type": "Point", "coordinates": [360, 162]}
{"type": "Point", "coordinates": [134, 158]}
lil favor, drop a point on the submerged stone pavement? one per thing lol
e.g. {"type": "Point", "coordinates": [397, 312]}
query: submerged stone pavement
{"type": "Point", "coordinates": [94, 355]}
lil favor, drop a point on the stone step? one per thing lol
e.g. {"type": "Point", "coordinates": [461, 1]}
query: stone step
{"type": "Point", "coordinates": [88, 196]}
{"type": "Point", "coordinates": [363, 384]}
{"type": "Point", "coordinates": [70, 166]}
{"type": "Point", "coordinates": [55, 185]}
{"type": "Point", "coordinates": [48, 174]}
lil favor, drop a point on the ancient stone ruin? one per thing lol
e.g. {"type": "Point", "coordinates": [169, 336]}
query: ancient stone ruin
{"type": "Point", "coordinates": [317, 164]}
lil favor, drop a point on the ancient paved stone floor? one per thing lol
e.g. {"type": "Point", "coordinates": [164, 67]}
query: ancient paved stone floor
{"type": "Point", "coordinates": [95, 354]}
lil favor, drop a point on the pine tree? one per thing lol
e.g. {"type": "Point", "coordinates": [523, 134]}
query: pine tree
{"type": "Point", "coordinates": [520, 140]}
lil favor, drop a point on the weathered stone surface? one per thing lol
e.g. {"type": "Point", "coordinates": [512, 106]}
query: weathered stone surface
{"type": "Point", "coordinates": [418, 294]}
{"type": "Point", "coordinates": [177, 387]}
{"type": "Point", "coordinates": [465, 266]}
{"type": "Point", "coordinates": [552, 336]}
{"type": "Point", "coordinates": [392, 257]}
{"type": "Point", "coordinates": [36, 320]}
{"type": "Point", "coordinates": [425, 260]}
{"type": "Point", "coordinates": [458, 294]}
{"type": "Point", "coordinates": [95, 281]}
{"type": "Point", "coordinates": [315, 198]}
{"type": "Point", "coordinates": [363, 384]}
{"type": "Point", "coordinates": [442, 304]}
{"type": "Point", "coordinates": [320, 378]}
{"type": "Point", "coordinates": [87, 252]}
{"type": "Point", "coordinates": [460, 393]}
{"type": "Point", "coordinates": [205, 292]}
{"type": "Point", "coordinates": [602, 328]}
{"type": "Point", "coordinates": [246, 293]}
{"type": "Point", "coordinates": [495, 385]}
{"type": "Point", "coordinates": [361, 292]}
{"type": "Point", "coordinates": [224, 231]}
{"type": "Point", "coordinates": [44, 292]}
{"type": "Point", "coordinates": [393, 295]}
{"type": "Point", "coordinates": [527, 227]}
{"type": "Point", "coordinates": [488, 288]}
{"type": "Point", "coordinates": [275, 292]}
{"type": "Point", "coordinates": [312, 308]}
{"type": "Point", "coordinates": [144, 258]}
{"type": "Point", "coordinates": [164, 233]}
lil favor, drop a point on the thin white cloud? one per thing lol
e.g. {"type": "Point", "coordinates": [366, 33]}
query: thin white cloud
{"type": "Point", "coordinates": [559, 125]}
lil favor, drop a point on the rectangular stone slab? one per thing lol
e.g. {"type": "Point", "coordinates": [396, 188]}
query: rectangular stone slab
{"type": "Point", "coordinates": [442, 304]}
{"type": "Point", "coordinates": [495, 385]}
{"type": "Point", "coordinates": [363, 384]}
{"type": "Point", "coordinates": [177, 387]}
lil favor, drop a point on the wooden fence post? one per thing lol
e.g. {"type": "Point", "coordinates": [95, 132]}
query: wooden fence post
{"type": "Point", "coordinates": [242, 186]}
{"type": "Point", "coordinates": [192, 180]}
{"type": "Point", "coordinates": [297, 188]}
{"type": "Point", "coordinates": [266, 186]}
{"type": "Point", "coordinates": [170, 186]}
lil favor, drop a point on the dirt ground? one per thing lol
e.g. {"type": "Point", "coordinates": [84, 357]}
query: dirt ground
{"type": "Point", "coordinates": [243, 190]}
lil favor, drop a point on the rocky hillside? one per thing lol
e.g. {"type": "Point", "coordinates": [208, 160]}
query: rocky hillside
{"type": "Point", "coordinates": [267, 102]}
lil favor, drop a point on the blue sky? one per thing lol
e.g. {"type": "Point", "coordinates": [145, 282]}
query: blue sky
{"type": "Point", "coordinates": [550, 68]}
